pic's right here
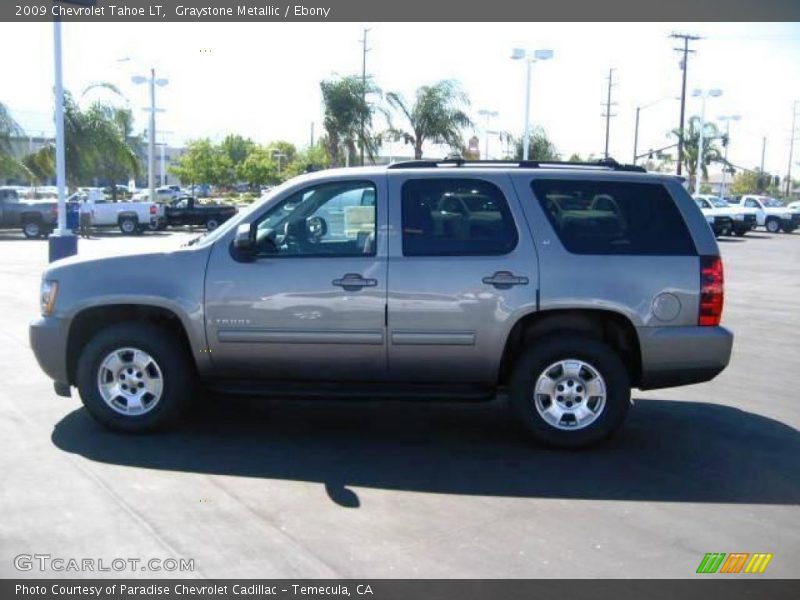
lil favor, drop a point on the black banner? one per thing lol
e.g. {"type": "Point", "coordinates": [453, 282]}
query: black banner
{"type": "Point", "coordinates": [405, 10]}
{"type": "Point", "coordinates": [396, 589]}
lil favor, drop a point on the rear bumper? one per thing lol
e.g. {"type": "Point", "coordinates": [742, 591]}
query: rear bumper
{"type": "Point", "coordinates": [673, 356]}
{"type": "Point", "coordinates": [48, 338]}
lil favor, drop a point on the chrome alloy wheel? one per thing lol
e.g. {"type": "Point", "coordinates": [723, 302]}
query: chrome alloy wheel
{"type": "Point", "coordinates": [570, 394]}
{"type": "Point", "coordinates": [130, 381]}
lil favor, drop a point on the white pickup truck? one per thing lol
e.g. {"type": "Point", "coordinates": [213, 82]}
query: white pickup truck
{"type": "Point", "coordinates": [771, 214]}
{"type": "Point", "coordinates": [743, 219]}
{"type": "Point", "coordinates": [719, 218]}
{"type": "Point", "coordinates": [131, 217]}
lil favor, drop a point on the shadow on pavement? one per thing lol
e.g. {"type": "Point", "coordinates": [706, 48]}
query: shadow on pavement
{"type": "Point", "coordinates": [668, 451]}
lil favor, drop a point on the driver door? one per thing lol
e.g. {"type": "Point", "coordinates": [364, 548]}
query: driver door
{"type": "Point", "coordinates": [311, 304]}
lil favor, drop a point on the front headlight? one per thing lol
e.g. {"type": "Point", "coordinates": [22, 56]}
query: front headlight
{"type": "Point", "coordinates": [47, 297]}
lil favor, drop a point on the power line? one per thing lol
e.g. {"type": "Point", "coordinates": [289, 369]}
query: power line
{"type": "Point", "coordinates": [607, 113]}
{"type": "Point", "coordinates": [686, 37]}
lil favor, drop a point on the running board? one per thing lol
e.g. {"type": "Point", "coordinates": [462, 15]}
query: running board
{"type": "Point", "coordinates": [363, 391]}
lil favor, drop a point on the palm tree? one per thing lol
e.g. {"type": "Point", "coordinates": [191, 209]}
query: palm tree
{"type": "Point", "coordinates": [436, 116]}
{"type": "Point", "coordinates": [9, 129]}
{"type": "Point", "coordinates": [691, 142]}
{"type": "Point", "coordinates": [348, 117]}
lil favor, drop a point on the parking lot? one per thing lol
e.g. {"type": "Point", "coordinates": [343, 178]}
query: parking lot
{"type": "Point", "coordinates": [394, 489]}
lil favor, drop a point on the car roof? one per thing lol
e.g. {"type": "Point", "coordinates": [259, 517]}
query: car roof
{"type": "Point", "coordinates": [599, 170]}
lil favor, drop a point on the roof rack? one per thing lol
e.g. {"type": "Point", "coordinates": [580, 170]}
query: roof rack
{"type": "Point", "coordinates": [605, 163]}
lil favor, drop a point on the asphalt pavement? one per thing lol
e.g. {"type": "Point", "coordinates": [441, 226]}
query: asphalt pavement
{"type": "Point", "coordinates": [411, 489]}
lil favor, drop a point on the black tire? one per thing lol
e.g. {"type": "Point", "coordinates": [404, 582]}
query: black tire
{"type": "Point", "coordinates": [772, 225]}
{"type": "Point", "coordinates": [128, 225]}
{"type": "Point", "coordinates": [788, 229]}
{"type": "Point", "coordinates": [32, 229]}
{"type": "Point", "coordinates": [741, 231]}
{"type": "Point", "coordinates": [545, 352]}
{"type": "Point", "coordinates": [178, 375]}
{"type": "Point", "coordinates": [212, 223]}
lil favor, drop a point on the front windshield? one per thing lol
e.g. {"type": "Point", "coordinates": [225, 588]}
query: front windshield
{"type": "Point", "coordinates": [719, 203]}
{"type": "Point", "coordinates": [772, 203]}
{"type": "Point", "coordinates": [232, 223]}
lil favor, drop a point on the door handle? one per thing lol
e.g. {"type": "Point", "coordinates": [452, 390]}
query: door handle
{"type": "Point", "coordinates": [503, 280]}
{"type": "Point", "coordinates": [353, 282]}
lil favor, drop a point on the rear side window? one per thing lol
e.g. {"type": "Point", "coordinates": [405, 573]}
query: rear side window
{"type": "Point", "coordinates": [606, 217]}
{"type": "Point", "coordinates": [455, 217]}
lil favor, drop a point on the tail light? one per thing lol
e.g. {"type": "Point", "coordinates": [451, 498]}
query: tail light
{"type": "Point", "coordinates": [153, 210]}
{"type": "Point", "coordinates": [712, 292]}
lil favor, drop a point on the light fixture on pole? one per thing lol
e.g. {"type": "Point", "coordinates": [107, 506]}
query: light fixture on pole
{"type": "Point", "coordinates": [488, 115]}
{"type": "Point", "coordinates": [702, 94]}
{"type": "Point", "coordinates": [529, 58]}
{"type": "Point", "coordinates": [727, 120]}
{"type": "Point", "coordinates": [151, 131]}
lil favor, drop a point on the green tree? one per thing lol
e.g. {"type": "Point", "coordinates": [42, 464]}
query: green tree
{"type": "Point", "coordinates": [9, 129]}
{"type": "Point", "coordinates": [203, 162]}
{"type": "Point", "coordinates": [348, 117]}
{"type": "Point", "coordinates": [691, 142]}
{"type": "Point", "coordinates": [747, 182]}
{"type": "Point", "coordinates": [310, 159]}
{"type": "Point", "coordinates": [540, 147]}
{"type": "Point", "coordinates": [575, 157]}
{"type": "Point", "coordinates": [114, 149]}
{"type": "Point", "coordinates": [436, 116]}
{"type": "Point", "coordinates": [258, 168]}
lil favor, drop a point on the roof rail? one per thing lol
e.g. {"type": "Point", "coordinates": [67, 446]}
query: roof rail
{"type": "Point", "coordinates": [605, 163]}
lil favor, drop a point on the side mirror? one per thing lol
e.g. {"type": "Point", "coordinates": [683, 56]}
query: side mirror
{"type": "Point", "coordinates": [245, 239]}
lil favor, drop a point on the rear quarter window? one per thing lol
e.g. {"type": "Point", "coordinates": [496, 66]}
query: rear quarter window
{"type": "Point", "coordinates": [608, 217]}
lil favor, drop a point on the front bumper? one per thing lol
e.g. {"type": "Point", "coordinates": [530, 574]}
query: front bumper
{"type": "Point", "coordinates": [721, 225]}
{"type": "Point", "coordinates": [673, 356]}
{"type": "Point", "coordinates": [48, 338]}
{"type": "Point", "coordinates": [791, 223]}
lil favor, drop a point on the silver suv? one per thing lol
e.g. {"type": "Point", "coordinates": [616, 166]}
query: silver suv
{"type": "Point", "coordinates": [560, 285]}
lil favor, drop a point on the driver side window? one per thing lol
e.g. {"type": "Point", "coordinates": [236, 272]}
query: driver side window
{"type": "Point", "coordinates": [329, 219]}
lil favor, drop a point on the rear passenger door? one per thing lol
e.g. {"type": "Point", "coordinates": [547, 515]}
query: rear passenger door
{"type": "Point", "coordinates": [461, 268]}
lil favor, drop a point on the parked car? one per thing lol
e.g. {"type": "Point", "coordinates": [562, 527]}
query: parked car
{"type": "Point", "coordinates": [771, 214]}
{"type": "Point", "coordinates": [186, 210]}
{"type": "Point", "coordinates": [130, 217]}
{"type": "Point", "coordinates": [741, 221]}
{"type": "Point", "coordinates": [794, 205]}
{"type": "Point", "coordinates": [591, 281]}
{"type": "Point", "coordinates": [36, 218]}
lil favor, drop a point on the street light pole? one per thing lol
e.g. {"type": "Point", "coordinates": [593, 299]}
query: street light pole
{"type": "Point", "coordinates": [63, 243]}
{"type": "Point", "coordinates": [530, 58]}
{"type": "Point", "coordinates": [526, 133]}
{"type": "Point", "coordinates": [488, 114]}
{"type": "Point", "coordinates": [151, 140]}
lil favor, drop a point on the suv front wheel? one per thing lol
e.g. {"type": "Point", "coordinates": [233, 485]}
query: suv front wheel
{"type": "Point", "coordinates": [135, 377]}
{"type": "Point", "coordinates": [570, 391]}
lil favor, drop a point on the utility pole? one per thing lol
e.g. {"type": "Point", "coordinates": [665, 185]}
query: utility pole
{"type": "Point", "coordinates": [791, 150]}
{"type": "Point", "coordinates": [684, 67]}
{"type": "Point", "coordinates": [608, 114]}
{"type": "Point", "coordinates": [364, 51]}
{"type": "Point", "coordinates": [763, 152]}
{"type": "Point", "coordinates": [312, 135]}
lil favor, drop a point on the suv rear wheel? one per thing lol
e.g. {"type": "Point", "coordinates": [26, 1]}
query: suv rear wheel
{"type": "Point", "coordinates": [134, 377]}
{"type": "Point", "coordinates": [570, 391]}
